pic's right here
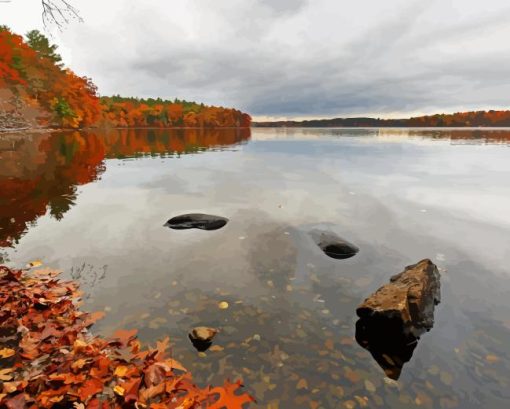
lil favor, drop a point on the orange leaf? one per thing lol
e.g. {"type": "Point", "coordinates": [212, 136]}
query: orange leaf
{"type": "Point", "coordinates": [125, 336]}
{"type": "Point", "coordinates": [131, 388]}
{"type": "Point", "coordinates": [119, 390]}
{"type": "Point", "coordinates": [121, 371]}
{"type": "Point", "coordinates": [102, 367]}
{"type": "Point", "coordinates": [227, 397]}
{"type": "Point", "coordinates": [92, 318]}
{"type": "Point", "coordinates": [90, 388]}
{"type": "Point", "coordinates": [79, 363]}
{"type": "Point", "coordinates": [173, 364]}
{"type": "Point", "coordinates": [7, 352]}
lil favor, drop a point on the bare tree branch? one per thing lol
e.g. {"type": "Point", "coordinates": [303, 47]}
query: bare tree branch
{"type": "Point", "coordinates": [59, 12]}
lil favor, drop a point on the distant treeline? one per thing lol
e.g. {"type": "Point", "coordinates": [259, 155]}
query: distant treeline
{"type": "Point", "coordinates": [459, 119]}
{"type": "Point", "coordinates": [135, 112]}
{"type": "Point", "coordinates": [37, 90]}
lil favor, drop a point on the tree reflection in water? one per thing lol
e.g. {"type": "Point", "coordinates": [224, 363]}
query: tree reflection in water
{"type": "Point", "coordinates": [40, 173]}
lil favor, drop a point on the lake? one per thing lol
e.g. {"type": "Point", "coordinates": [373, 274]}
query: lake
{"type": "Point", "coordinates": [94, 204]}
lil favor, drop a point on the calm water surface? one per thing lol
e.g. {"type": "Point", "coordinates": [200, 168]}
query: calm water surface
{"type": "Point", "coordinates": [94, 205]}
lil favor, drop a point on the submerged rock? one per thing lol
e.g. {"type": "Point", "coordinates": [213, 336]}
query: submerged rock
{"type": "Point", "coordinates": [196, 221]}
{"type": "Point", "coordinates": [393, 318]}
{"type": "Point", "coordinates": [333, 245]}
{"type": "Point", "coordinates": [202, 337]}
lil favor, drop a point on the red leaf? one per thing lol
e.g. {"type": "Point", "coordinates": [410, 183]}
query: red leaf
{"type": "Point", "coordinates": [90, 388]}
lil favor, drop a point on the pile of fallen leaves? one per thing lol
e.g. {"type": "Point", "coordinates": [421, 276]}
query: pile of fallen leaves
{"type": "Point", "coordinates": [49, 358]}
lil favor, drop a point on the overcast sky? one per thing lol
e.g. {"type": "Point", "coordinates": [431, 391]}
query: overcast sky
{"type": "Point", "coordinates": [292, 58]}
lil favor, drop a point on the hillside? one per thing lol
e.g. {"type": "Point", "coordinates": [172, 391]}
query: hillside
{"type": "Point", "coordinates": [37, 90]}
{"type": "Point", "coordinates": [459, 119]}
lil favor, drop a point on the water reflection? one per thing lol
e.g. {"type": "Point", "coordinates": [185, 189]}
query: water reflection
{"type": "Point", "coordinates": [41, 172]}
{"type": "Point", "coordinates": [456, 136]}
{"type": "Point", "coordinates": [289, 329]}
{"type": "Point", "coordinates": [388, 342]}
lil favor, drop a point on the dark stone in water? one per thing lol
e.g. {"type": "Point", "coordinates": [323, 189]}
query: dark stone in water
{"type": "Point", "coordinates": [332, 245]}
{"type": "Point", "coordinates": [196, 221]}
{"type": "Point", "coordinates": [202, 337]}
{"type": "Point", "coordinates": [397, 314]}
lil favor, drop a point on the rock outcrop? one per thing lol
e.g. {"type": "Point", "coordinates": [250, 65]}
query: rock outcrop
{"type": "Point", "coordinates": [18, 112]}
{"type": "Point", "coordinates": [196, 221]}
{"type": "Point", "coordinates": [333, 245]}
{"type": "Point", "coordinates": [393, 318]}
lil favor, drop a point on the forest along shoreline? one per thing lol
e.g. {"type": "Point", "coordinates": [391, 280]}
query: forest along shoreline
{"type": "Point", "coordinates": [37, 92]}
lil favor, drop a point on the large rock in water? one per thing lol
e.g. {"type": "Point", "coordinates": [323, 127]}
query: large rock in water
{"type": "Point", "coordinates": [196, 221]}
{"type": "Point", "coordinates": [333, 245]}
{"type": "Point", "coordinates": [393, 318]}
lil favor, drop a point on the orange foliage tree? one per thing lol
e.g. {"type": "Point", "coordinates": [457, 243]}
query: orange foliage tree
{"type": "Point", "coordinates": [32, 70]}
{"type": "Point", "coordinates": [157, 113]}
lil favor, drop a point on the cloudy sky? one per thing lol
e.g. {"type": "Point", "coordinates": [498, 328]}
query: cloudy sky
{"type": "Point", "coordinates": [292, 58]}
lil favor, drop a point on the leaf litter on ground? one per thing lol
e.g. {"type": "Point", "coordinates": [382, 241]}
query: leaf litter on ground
{"type": "Point", "coordinates": [51, 359]}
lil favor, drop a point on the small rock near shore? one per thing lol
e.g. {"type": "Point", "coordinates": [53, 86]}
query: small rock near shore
{"type": "Point", "coordinates": [202, 337]}
{"type": "Point", "coordinates": [196, 221]}
{"type": "Point", "coordinates": [333, 245]}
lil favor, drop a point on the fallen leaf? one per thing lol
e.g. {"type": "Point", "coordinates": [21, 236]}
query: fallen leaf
{"type": "Point", "coordinates": [35, 263]}
{"type": "Point", "coordinates": [90, 388]}
{"type": "Point", "coordinates": [152, 392]}
{"type": "Point", "coordinates": [79, 345]}
{"type": "Point", "coordinates": [125, 336]}
{"type": "Point", "coordinates": [119, 390]}
{"type": "Point", "coordinates": [173, 364]}
{"type": "Point", "coordinates": [492, 358]}
{"type": "Point", "coordinates": [10, 387]}
{"type": "Point", "coordinates": [79, 363]}
{"type": "Point", "coordinates": [5, 374]}
{"type": "Point", "coordinates": [7, 352]}
{"type": "Point", "coordinates": [16, 402]}
{"type": "Point", "coordinates": [121, 371]}
{"type": "Point", "coordinates": [227, 397]}
{"type": "Point", "coordinates": [302, 384]}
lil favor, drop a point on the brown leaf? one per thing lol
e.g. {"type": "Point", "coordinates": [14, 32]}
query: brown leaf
{"type": "Point", "coordinates": [151, 392]}
{"type": "Point", "coordinates": [154, 375]}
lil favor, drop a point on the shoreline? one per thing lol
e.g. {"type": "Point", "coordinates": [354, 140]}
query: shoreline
{"type": "Point", "coordinates": [48, 130]}
{"type": "Point", "coordinates": [44, 130]}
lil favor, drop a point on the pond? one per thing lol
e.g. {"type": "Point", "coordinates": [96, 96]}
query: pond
{"type": "Point", "coordinates": [94, 204]}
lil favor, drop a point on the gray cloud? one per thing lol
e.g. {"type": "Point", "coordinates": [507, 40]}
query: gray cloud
{"type": "Point", "coordinates": [298, 57]}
